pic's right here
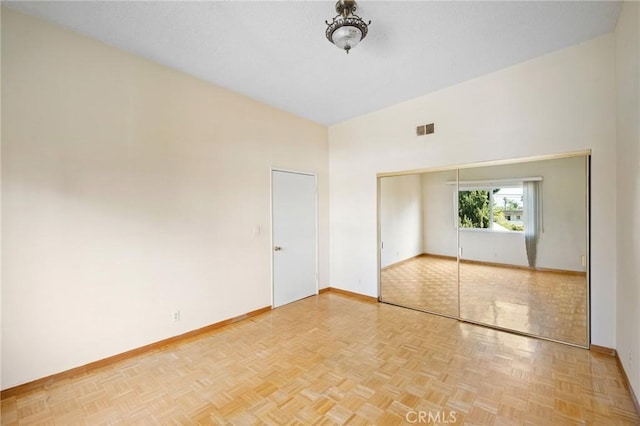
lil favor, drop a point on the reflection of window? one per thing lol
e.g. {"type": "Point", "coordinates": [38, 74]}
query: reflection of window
{"type": "Point", "coordinates": [495, 208]}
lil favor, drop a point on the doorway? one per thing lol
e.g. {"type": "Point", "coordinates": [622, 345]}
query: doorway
{"type": "Point", "coordinates": [294, 236]}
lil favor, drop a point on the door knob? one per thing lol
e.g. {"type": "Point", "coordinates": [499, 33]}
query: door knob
{"type": "Point", "coordinates": [277, 248]}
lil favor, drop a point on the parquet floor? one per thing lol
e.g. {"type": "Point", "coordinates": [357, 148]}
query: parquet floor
{"type": "Point", "coordinates": [424, 282]}
{"type": "Point", "coordinates": [330, 359]}
{"type": "Point", "coordinates": [542, 303]}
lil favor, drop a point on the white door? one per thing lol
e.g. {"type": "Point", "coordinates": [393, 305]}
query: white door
{"type": "Point", "coordinates": [294, 236]}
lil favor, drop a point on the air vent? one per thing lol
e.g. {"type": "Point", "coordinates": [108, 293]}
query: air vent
{"type": "Point", "coordinates": [425, 129]}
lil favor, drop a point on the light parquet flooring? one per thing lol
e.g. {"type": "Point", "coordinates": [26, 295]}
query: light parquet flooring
{"type": "Point", "coordinates": [330, 359]}
{"type": "Point", "coordinates": [542, 303]}
{"type": "Point", "coordinates": [423, 282]}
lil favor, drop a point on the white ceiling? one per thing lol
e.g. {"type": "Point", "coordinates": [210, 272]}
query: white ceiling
{"type": "Point", "coordinates": [276, 52]}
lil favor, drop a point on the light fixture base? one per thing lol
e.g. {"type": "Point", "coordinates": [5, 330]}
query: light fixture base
{"type": "Point", "coordinates": [345, 7]}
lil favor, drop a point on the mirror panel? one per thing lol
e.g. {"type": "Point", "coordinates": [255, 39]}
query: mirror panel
{"type": "Point", "coordinates": [418, 242]}
{"type": "Point", "coordinates": [521, 230]}
{"type": "Point", "coordinates": [523, 241]}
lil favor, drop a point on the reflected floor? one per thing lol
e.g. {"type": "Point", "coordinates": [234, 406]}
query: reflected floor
{"type": "Point", "coordinates": [543, 303]}
{"type": "Point", "coordinates": [424, 282]}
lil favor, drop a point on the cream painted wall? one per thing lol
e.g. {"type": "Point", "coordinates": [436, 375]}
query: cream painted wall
{"type": "Point", "coordinates": [560, 102]}
{"type": "Point", "coordinates": [628, 189]}
{"type": "Point", "coordinates": [439, 216]}
{"type": "Point", "coordinates": [561, 245]}
{"type": "Point", "coordinates": [130, 190]}
{"type": "Point", "coordinates": [400, 218]}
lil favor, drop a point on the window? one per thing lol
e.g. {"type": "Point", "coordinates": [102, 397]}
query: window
{"type": "Point", "coordinates": [495, 208]}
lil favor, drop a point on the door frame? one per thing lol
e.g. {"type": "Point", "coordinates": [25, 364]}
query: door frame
{"type": "Point", "coordinates": [315, 220]}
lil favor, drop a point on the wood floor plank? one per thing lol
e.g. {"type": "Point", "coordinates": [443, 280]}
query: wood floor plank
{"type": "Point", "coordinates": [337, 360]}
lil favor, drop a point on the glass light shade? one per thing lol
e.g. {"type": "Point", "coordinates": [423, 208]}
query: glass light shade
{"type": "Point", "coordinates": [346, 37]}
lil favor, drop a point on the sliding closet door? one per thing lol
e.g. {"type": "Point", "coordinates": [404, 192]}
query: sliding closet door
{"type": "Point", "coordinates": [523, 247]}
{"type": "Point", "coordinates": [504, 246]}
{"type": "Point", "coordinates": [418, 238]}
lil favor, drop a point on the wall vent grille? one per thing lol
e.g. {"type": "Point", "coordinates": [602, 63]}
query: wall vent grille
{"type": "Point", "coordinates": [425, 129]}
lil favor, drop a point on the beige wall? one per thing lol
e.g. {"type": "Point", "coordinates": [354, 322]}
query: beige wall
{"type": "Point", "coordinates": [628, 189]}
{"type": "Point", "coordinates": [130, 190]}
{"type": "Point", "coordinates": [563, 239]}
{"type": "Point", "coordinates": [560, 102]}
{"type": "Point", "coordinates": [400, 218]}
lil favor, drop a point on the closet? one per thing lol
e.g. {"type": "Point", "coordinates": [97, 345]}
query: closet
{"type": "Point", "coordinates": [502, 244]}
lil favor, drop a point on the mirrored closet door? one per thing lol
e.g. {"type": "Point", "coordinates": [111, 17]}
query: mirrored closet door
{"type": "Point", "coordinates": [502, 245]}
{"type": "Point", "coordinates": [418, 265]}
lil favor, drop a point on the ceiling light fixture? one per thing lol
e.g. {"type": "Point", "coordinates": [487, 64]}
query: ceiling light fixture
{"type": "Point", "coordinates": [347, 29]}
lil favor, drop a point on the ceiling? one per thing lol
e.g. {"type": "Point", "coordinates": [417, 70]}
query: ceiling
{"type": "Point", "coordinates": [276, 52]}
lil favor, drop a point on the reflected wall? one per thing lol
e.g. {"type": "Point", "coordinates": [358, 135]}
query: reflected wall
{"type": "Point", "coordinates": [413, 274]}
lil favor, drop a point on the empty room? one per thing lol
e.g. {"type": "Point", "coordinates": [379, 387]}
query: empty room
{"type": "Point", "coordinates": [310, 212]}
